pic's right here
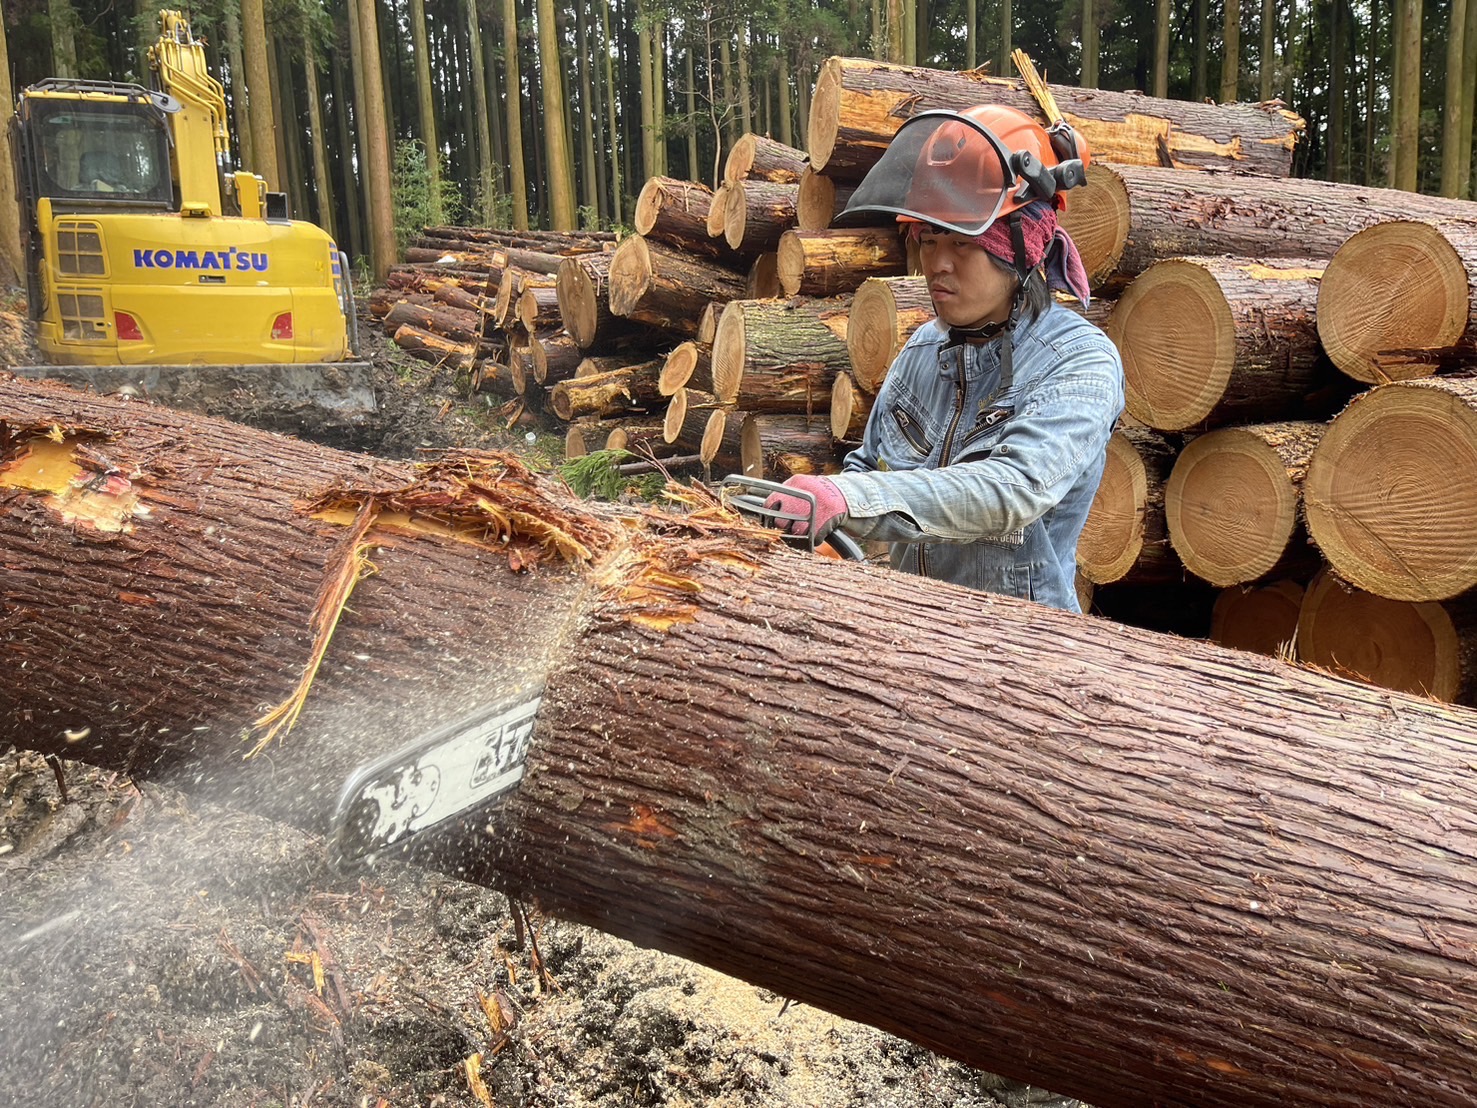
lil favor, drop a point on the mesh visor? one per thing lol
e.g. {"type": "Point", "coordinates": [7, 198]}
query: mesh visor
{"type": "Point", "coordinates": [940, 168]}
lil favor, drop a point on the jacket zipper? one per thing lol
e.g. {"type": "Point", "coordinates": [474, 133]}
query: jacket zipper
{"type": "Point", "coordinates": [944, 460]}
{"type": "Point", "coordinates": [909, 429]}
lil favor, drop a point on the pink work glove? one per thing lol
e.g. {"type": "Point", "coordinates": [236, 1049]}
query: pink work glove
{"type": "Point", "coordinates": [830, 505]}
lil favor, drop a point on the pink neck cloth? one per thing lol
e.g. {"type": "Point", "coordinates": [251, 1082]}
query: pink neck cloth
{"type": "Point", "coordinates": [1045, 241]}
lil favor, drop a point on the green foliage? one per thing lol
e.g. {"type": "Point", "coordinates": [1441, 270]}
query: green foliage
{"type": "Point", "coordinates": [597, 475]}
{"type": "Point", "coordinates": [417, 204]}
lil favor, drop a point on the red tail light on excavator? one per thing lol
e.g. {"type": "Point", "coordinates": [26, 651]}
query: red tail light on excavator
{"type": "Point", "coordinates": [282, 326]}
{"type": "Point", "coordinates": [127, 327]}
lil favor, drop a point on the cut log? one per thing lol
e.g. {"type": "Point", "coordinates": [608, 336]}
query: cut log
{"type": "Point", "coordinates": [897, 854]}
{"type": "Point", "coordinates": [1233, 503]}
{"type": "Point", "coordinates": [514, 282]}
{"type": "Point", "coordinates": [556, 356]}
{"type": "Point", "coordinates": [676, 213]}
{"type": "Point", "coordinates": [383, 299]}
{"type": "Point", "coordinates": [1389, 496]}
{"type": "Point", "coordinates": [1175, 212]}
{"type": "Point", "coordinates": [819, 200]}
{"type": "Point", "coordinates": [607, 392]}
{"type": "Point", "coordinates": [1125, 537]}
{"type": "Point", "coordinates": [777, 447]}
{"type": "Point", "coordinates": [718, 212]}
{"type": "Point", "coordinates": [707, 326]}
{"type": "Point", "coordinates": [454, 296]}
{"type": "Point", "coordinates": [417, 277]}
{"type": "Point", "coordinates": [1399, 300]}
{"type": "Point", "coordinates": [779, 356]}
{"type": "Point", "coordinates": [431, 347]}
{"type": "Point", "coordinates": [659, 286]}
{"type": "Point", "coordinates": [636, 436]}
{"type": "Point", "coordinates": [450, 323]}
{"type": "Point", "coordinates": [588, 434]}
{"type": "Point", "coordinates": [1211, 341]}
{"type": "Point", "coordinates": [850, 406]}
{"type": "Point", "coordinates": [859, 104]}
{"type": "Point", "coordinates": [829, 263]}
{"type": "Point", "coordinates": [884, 314]}
{"type": "Point", "coordinates": [690, 365]}
{"type": "Point", "coordinates": [1427, 648]}
{"type": "Point", "coordinates": [756, 214]}
{"type": "Point", "coordinates": [763, 282]}
{"type": "Point", "coordinates": [1099, 219]}
{"type": "Point", "coordinates": [1260, 618]}
{"type": "Point", "coordinates": [686, 419]}
{"type": "Point", "coordinates": [538, 309]}
{"type": "Point", "coordinates": [760, 158]}
{"type": "Point", "coordinates": [583, 285]}
{"type": "Point", "coordinates": [722, 443]}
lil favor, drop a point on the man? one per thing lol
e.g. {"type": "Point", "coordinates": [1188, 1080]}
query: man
{"type": "Point", "coordinates": [986, 443]}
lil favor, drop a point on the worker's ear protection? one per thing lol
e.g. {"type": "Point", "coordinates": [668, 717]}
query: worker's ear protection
{"type": "Point", "coordinates": [1044, 182]}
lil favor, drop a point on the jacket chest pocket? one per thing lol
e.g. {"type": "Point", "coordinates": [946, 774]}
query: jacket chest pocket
{"type": "Point", "coordinates": [907, 440]}
{"type": "Point", "coordinates": [988, 426]}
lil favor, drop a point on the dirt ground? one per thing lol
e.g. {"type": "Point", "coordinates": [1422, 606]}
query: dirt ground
{"type": "Point", "coordinates": [158, 950]}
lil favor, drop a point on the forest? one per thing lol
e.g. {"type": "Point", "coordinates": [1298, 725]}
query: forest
{"type": "Point", "coordinates": [546, 114]}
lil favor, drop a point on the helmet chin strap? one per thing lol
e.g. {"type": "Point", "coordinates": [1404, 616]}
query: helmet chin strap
{"type": "Point", "coordinates": [1005, 329]}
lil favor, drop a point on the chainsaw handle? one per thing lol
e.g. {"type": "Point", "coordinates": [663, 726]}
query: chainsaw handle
{"type": "Point", "coordinates": [753, 500]}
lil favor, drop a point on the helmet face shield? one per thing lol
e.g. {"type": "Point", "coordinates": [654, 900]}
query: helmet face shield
{"type": "Point", "coordinates": [940, 168]}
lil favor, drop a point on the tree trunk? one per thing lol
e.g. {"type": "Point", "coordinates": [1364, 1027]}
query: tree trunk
{"type": "Point", "coordinates": [1405, 142]}
{"type": "Point", "coordinates": [1162, 19]}
{"type": "Point", "coordinates": [756, 214]}
{"type": "Point", "coordinates": [897, 854]}
{"type": "Point", "coordinates": [589, 116]}
{"type": "Point", "coordinates": [884, 314]}
{"type": "Point", "coordinates": [1399, 300]}
{"type": "Point", "coordinates": [1090, 41]}
{"type": "Point", "coordinates": [759, 158]}
{"type": "Point", "coordinates": [1469, 110]}
{"type": "Point", "coordinates": [1427, 649]}
{"type": "Point", "coordinates": [819, 200]}
{"type": "Point", "coordinates": [1233, 503]}
{"type": "Point", "coordinates": [254, 47]}
{"type": "Point", "coordinates": [348, 151]}
{"type": "Point", "coordinates": [513, 104]}
{"type": "Point", "coordinates": [376, 137]}
{"type": "Point", "coordinates": [832, 262]}
{"type": "Point", "coordinates": [1125, 537]}
{"type": "Point", "coordinates": [1263, 618]}
{"type": "Point", "coordinates": [777, 447]}
{"type": "Point", "coordinates": [61, 20]}
{"type": "Point", "coordinates": [426, 104]}
{"type": "Point", "coordinates": [240, 117]}
{"type": "Point", "coordinates": [860, 104]}
{"type": "Point", "coordinates": [780, 356]}
{"type": "Point", "coordinates": [486, 191]}
{"type": "Point", "coordinates": [1380, 498]}
{"type": "Point", "coordinates": [1230, 51]}
{"type": "Point", "coordinates": [1211, 341]}
{"type": "Point", "coordinates": [12, 259]}
{"type": "Point", "coordinates": [653, 284]}
{"type": "Point", "coordinates": [321, 187]}
{"type": "Point", "coordinates": [560, 183]}
{"type": "Point", "coordinates": [610, 108]}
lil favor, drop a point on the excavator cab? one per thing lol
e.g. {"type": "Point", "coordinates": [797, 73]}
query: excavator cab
{"type": "Point", "coordinates": [95, 151]}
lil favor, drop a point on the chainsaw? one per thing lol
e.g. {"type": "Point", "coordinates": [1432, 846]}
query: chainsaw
{"type": "Point", "coordinates": [750, 496]}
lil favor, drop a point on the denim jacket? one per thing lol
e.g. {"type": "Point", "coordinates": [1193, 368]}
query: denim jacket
{"type": "Point", "coordinates": [986, 481]}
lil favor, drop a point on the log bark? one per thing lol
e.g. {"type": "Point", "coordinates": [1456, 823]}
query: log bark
{"type": "Point", "coordinates": [777, 447]}
{"type": "Point", "coordinates": [1427, 648]}
{"type": "Point", "coordinates": [1382, 497]}
{"type": "Point", "coordinates": [418, 277]}
{"type": "Point", "coordinates": [1233, 503]}
{"type": "Point", "coordinates": [636, 435]}
{"type": "Point", "coordinates": [1211, 341]}
{"type": "Point", "coordinates": [778, 356]}
{"type": "Point", "coordinates": [538, 309]}
{"type": "Point", "coordinates": [884, 314]}
{"type": "Point", "coordinates": [450, 323]}
{"type": "Point", "coordinates": [511, 287]}
{"type": "Point", "coordinates": [661, 287]}
{"type": "Point", "coordinates": [1104, 897]}
{"type": "Point", "coordinates": [431, 347]}
{"type": "Point", "coordinates": [607, 392]}
{"type": "Point", "coordinates": [556, 356]}
{"type": "Point", "coordinates": [1125, 537]}
{"type": "Point", "coordinates": [859, 105]}
{"type": "Point", "coordinates": [1260, 618]}
{"type": "Point", "coordinates": [819, 201]}
{"type": "Point", "coordinates": [850, 406]}
{"type": "Point", "coordinates": [829, 263]}
{"type": "Point", "coordinates": [1181, 212]}
{"type": "Point", "coordinates": [676, 213]}
{"type": "Point", "coordinates": [761, 158]}
{"type": "Point", "coordinates": [1399, 300]}
{"type": "Point", "coordinates": [689, 365]}
{"type": "Point", "coordinates": [756, 214]}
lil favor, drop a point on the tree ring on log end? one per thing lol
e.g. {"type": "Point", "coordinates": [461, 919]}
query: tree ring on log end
{"type": "Point", "coordinates": [1392, 288]}
{"type": "Point", "coordinates": [630, 275]}
{"type": "Point", "coordinates": [1113, 536]}
{"type": "Point", "coordinates": [1097, 218]}
{"type": "Point", "coordinates": [713, 436]}
{"type": "Point", "coordinates": [825, 110]}
{"type": "Point", "coordinates": [871, 333]}
{"type": "Point", "coordinates": [1230, 507]}
{"type": "Point", "coordinates": [1383, 498]}
{"type": "Point", "coordinates": [578, 302]}
{"type": "Point", "coordinates": [1412, 647]}
{"type": "Point", "coordinates": [729, 342]}
{"type": "Point", "coordinates": [1177, 337]}
{"type": "Point", "coordinates": [1262, 619]}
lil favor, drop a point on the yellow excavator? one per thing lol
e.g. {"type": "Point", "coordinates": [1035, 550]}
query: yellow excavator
{"type": "Point", "coordinates": [153, 266]}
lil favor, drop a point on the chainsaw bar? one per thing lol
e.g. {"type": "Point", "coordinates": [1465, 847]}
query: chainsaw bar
{"type": "Point", "coordinates": [752, 496]}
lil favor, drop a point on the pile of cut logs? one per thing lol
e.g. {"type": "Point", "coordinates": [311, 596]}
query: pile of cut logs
{"type": "Point", "coordinates": [739, 330]}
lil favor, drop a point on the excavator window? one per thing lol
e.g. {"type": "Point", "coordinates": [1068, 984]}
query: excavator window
{"type": "Point", "coordinates": [98, 151]}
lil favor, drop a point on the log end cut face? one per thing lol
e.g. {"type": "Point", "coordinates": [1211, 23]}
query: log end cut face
{"type": "Point", "coordinates": [630, 275]}
{"type": "Point", "coordinates": [1386, 496]}
{"type": "Point", "coordinates": [825, 112]}
{"type": "Point", "coordinates": [1230, 507]}
{"type": "Point", "coordinates": [1261, 619]}
{"type": "Point", "coordinates": [1177, 337]}
{"type": "Point", "coordinates": [1097, 218]}
{"type": "Point", "coordinates": [578, 302]}
{"type": "Point", "coordinates": [729, 343]}
{"type": "Point", "coordinates": [1113, 536]}
{"type": "Point", "coordinates": [1396, 644]}
{"type": "Point", "coordinates": [1392, 296]}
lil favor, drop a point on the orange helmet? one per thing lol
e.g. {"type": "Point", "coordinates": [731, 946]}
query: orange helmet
{"type": "Point", "coordinates": [961, 171]}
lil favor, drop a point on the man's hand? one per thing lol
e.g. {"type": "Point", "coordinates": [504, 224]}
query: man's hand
{"type": "Point", "coordinates": [830, 506]}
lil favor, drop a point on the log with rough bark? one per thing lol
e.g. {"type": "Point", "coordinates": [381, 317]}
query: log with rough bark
{"type": "Point", "coordinates": [588, 434]}
{"type": "Point", "coordinates": [832, 262]}
{"type": "Point", "coordinates": [538, 309]}
{"type": "Point", "coordinates": [1426, 648]}
{"type": "Point", "coordinates": [556, 356]}
{"type": "Point", "coordinates": [1389, 495]}
{"type": "Point", "coordinates": [662, 287]}
{"type": "Point", "coordinates": [819, 200]}
{"type": "Point", "coordinates": [776, 447]}
{"type": "Point", "coordinates": [1233, 503]}
{"type": "Point", "coordinates": [761, 158]}
{"type": "Point", "coordinates": [450, 323]}
{"type": "Point", "coordinates": [1125, 537]}
{"type": "Point", "coordinates": [428, 346]}
{"type": "Point", "coordinates": [859, 104]}
{"type": "Point", "coordinates": [1211, 341]}
{"type": "Point", "coordinates": [780, 356]}
{"type": "Point", "coordinates": [850, 406]}
{"type": "Point", "coordinates": [514, 282]}
{"type": "Point", "coordinates": [676, 212]}
{"type": "Point", "coordinates": [1399, 299]}
{"type": "Point", "coordinates": [1265, 898]}
{"type": "Point", "coordinates": [1261, 618]}
{"type": "Point", "coordinates": [689, 365]}
{"type": "Point", "coordinates": [427, 278]}
{"type": "Point", "coordinates": [884, 314]}
{"type": "Point", "coordinates": [383, 299]}
{"type": "Point", "coordinates": [454, 296]}
{"type": "Point", "coordinates": [756, 214]}
{"type": "Point", "coordinates": [1162, 213]}
{"type": "Point", "coordinates": [549, 242]}
{"type": "Point", "coordinates": [607, 391]}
